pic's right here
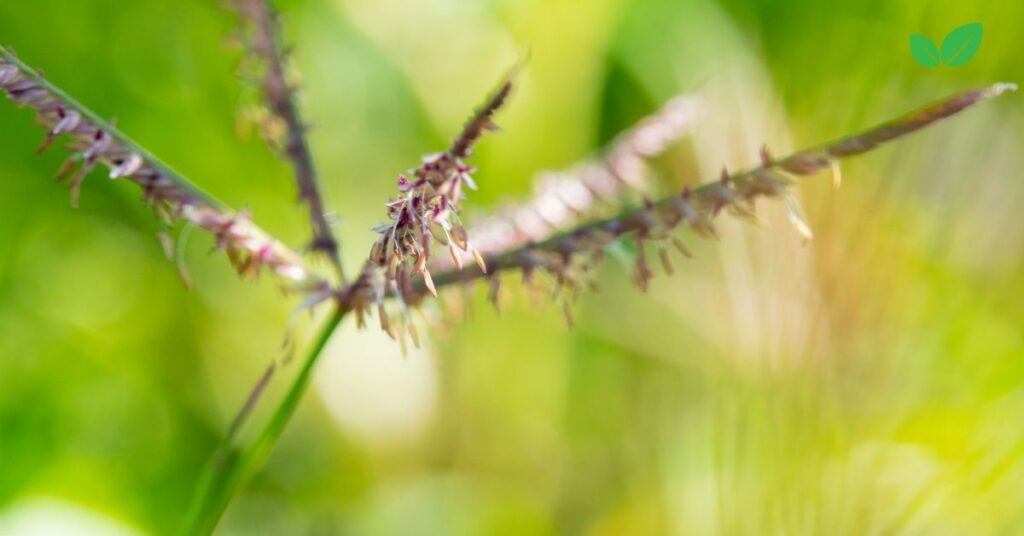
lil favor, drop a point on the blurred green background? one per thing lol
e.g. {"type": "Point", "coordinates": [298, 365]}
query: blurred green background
{"type": "Point", "coordinates": [867, 383]}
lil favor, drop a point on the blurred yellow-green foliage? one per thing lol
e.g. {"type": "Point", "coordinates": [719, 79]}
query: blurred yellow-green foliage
{"type": "Point", "coordinates": [867, 383]}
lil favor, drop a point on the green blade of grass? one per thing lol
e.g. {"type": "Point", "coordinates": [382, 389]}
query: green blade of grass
{"type": "Point", "coordinates": [231, 467]}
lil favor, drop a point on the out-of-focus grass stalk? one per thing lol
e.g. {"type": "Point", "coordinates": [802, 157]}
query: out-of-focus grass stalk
{"type": "Point", "coordinates": [563, 199]}
{"type": "Point", "coordinates": [261, 26]}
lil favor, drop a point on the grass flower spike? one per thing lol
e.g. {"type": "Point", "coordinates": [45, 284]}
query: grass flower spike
{"type": "Point", "coordinates": [93, 142]}
{"type": "Point", "coordinates": [572, 253]}
{"type": "Point", "coordinates": [426, 211]}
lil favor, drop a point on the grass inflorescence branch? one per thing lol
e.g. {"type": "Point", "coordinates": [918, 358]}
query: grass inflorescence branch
{"type": "Point", "coordinates": [482, 120]}
{"type": "Point", "coordinates": [570, 254]}
{"type": "Point", "coordinates": [261, 34]}
{"type": "Point", "coordinates": [425, 214]}
{"type": "Point", "coordinates": [94, 142]}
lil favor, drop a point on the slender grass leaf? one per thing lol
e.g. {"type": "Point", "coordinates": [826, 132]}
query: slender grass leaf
{"type": "Point", "coordinates": [924, 51]}
{"type": "Point", "coordinates": [961, 44]}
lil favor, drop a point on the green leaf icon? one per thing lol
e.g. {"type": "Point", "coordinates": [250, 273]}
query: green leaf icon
{"type": "Point", "coordinates": [961, 44]}
{"type": "Point", "coordinates": [924, 51]}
